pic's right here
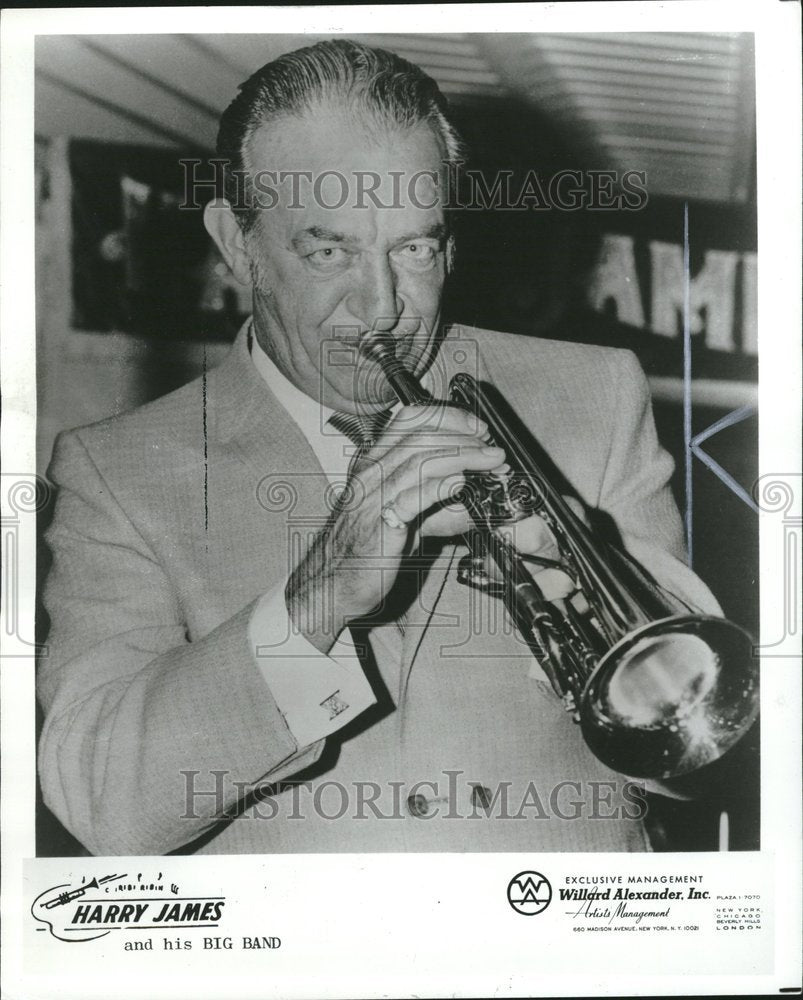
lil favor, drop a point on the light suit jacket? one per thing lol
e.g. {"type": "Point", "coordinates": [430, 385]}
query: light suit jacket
{"type": "Point", "coordinates": [173, 520]}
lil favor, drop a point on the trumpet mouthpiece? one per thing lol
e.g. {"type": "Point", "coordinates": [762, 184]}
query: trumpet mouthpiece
{"type": "Point", "coordinates": [378, 346]}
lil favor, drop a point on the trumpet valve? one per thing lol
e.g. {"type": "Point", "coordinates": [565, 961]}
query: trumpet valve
{"type": "Point", "coordinates": [472, 572]}
{"type": "Point", "coordinates": [505, 497]}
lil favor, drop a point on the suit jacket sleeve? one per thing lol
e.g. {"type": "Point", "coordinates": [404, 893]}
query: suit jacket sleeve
{"type": "Point", "coordinates": [132, 707]}
{"type": "Point", "coordinates": [636, 493]}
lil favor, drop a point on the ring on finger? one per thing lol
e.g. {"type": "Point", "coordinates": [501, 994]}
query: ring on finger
{"type": "Point", "coordinates": [391, 518]}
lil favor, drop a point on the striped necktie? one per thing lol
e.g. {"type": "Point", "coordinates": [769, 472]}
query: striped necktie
{"type": "Point", "coordinates": [362, 430]}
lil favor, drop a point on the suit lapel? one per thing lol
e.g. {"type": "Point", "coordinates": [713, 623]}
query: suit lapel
{"type": "Point", "coordinates": [283, 474]}
{"type": "Point", "coordinates": [248, 416]}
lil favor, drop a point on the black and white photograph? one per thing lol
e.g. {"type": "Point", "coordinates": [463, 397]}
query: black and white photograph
{"type": "Point", "coordinates": [223, 561]}
{"type": "Point", "coordinates": [398, 490]}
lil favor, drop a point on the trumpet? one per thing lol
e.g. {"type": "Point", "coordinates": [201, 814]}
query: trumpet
{"type": "Point", "coordinates": [658, 690]}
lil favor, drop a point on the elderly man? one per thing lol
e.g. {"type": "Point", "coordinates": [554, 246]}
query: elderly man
{"type": "Point", "coordinates": [244, 656]}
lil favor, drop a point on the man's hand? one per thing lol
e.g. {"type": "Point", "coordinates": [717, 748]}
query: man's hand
{"type": "Point", "coordinates": [531, 536]}
{"type": "Point", "coordinates": [416, 466]}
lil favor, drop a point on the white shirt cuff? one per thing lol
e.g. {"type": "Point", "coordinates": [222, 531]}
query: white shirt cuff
{"type": "Point", "coordinates": [316, 693]}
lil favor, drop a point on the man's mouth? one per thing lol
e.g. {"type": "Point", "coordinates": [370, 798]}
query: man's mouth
{"type": "Point", "coordinates": [410, 348]}
{"type": "Point", "coordinates": [402, 346]}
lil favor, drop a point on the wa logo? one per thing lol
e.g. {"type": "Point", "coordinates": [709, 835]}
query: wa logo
{"type": "Point", "coordinates": [529, 893]}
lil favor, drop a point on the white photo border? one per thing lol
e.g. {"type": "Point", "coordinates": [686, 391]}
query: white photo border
{"type": "Point", "coordinates": [778, 87]}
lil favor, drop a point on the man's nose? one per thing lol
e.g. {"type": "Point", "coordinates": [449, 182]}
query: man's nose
{"type": "Point", "coordinates": [375, 301]}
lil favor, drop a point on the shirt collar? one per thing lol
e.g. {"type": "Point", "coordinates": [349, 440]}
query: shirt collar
{"type": "Point", "coordinates": [307, 412]}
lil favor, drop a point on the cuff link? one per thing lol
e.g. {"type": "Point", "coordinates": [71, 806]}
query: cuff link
{"type": "Point", "coordinates": [334, 705]}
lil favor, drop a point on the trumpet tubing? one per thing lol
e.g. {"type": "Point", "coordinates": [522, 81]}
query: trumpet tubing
{"type": "Point", "coordinates": [657, 689]}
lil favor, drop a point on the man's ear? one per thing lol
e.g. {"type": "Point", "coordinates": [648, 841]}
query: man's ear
{"type": "Point", "coordinates": [451, 250]}
{"type": "Point", "coordinates": [222, 226]}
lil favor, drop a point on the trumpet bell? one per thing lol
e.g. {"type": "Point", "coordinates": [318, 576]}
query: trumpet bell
{"type": "Point", "coordinates": [671, 697]}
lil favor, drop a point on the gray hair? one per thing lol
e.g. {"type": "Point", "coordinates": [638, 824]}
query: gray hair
{"type": "Point", "coordinates": [380, 85]}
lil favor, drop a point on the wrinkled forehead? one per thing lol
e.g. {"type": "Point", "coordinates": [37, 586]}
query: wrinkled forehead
{"type": "Point", "coordinates": [331, 164]}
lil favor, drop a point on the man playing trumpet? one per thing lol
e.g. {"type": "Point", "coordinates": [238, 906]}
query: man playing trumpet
{"type": "Point", "coordinates": [259, 643]}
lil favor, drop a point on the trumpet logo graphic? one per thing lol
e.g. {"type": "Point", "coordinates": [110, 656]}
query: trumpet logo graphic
{"type": "Point", "coordinates": [529, 893]}
{"type": "Point", "coordinates": [63, 896]}
{"type": "Point", "coordinates": [104, 904]}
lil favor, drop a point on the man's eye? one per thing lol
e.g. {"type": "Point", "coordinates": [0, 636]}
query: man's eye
{"type": "Point", "coordinates": [327, 258]}
{"type": "Point", "coordinates": [416, 254]}
{"type": "Point", "coordinates": [418, 251]}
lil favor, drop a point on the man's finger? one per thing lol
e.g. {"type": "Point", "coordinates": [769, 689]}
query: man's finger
{"type": "Point", "coordinates": [446, 522]}
{"type": "Point", "coordinates": [434, 419]}
{"type": "Point", "coordinates": [531, 536]}
{"type": "Point", "coordinates": [554, 584]}
{"type": "Point", "coordinates": [419, 472]}
{"type": "Point", "coordinates": [411, 502]}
